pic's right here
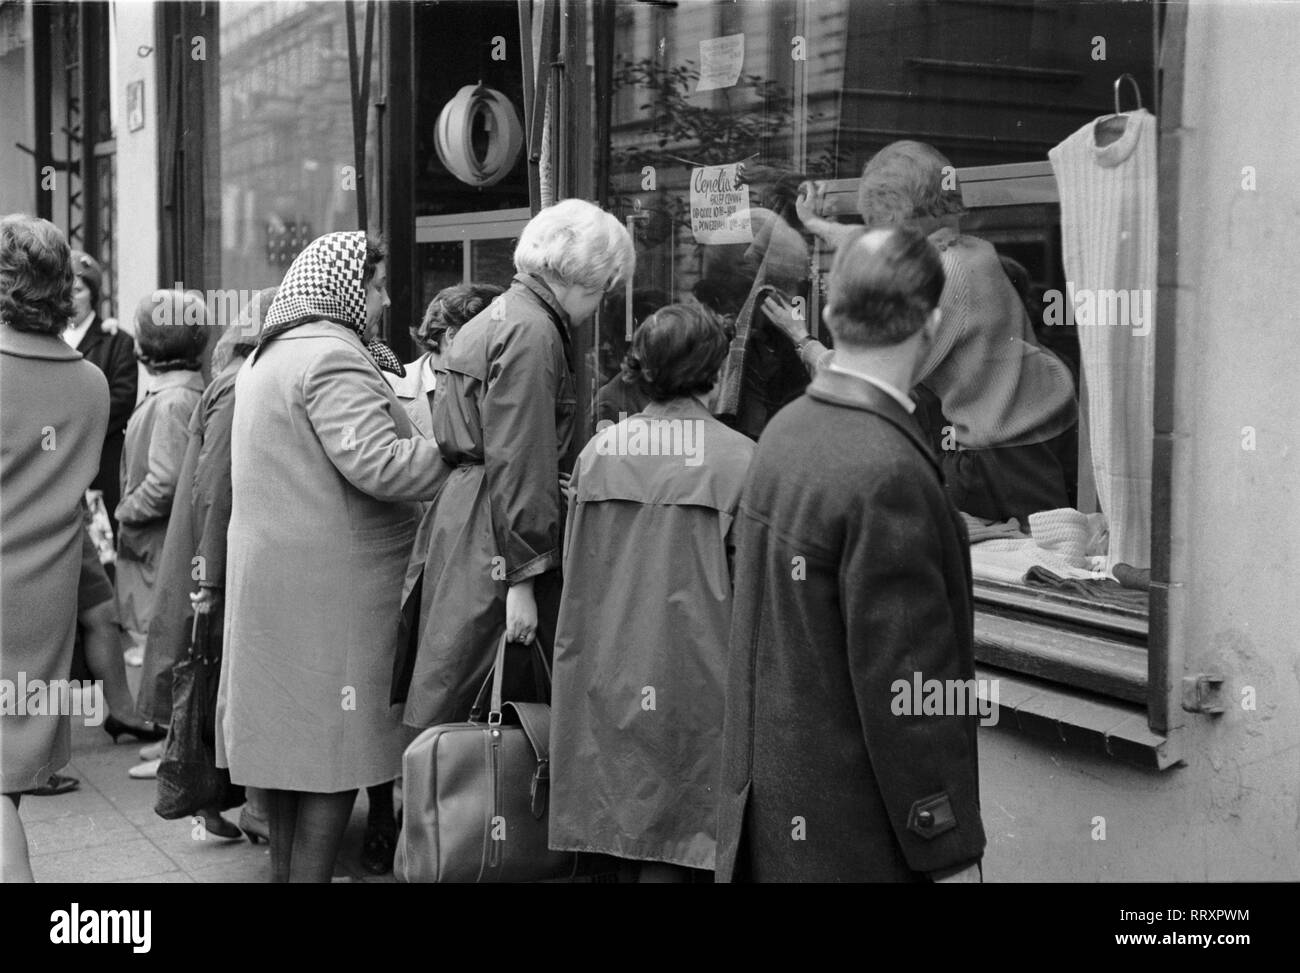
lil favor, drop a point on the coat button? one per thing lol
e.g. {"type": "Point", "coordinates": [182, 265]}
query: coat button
{"type": "Point", "coordinates": [925, 819]}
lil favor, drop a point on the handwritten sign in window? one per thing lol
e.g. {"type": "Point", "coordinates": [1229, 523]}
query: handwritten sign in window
{"type": "Point", "coordinates": [720, 205]}
{"type": "Point", "coordinates": [721, 59]}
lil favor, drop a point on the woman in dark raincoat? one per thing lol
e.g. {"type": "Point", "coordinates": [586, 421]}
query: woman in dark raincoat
{"type": "Point", "coordinates": [636, 721]}
{"type": "Point", "coordinates": [504, 419]}
{"type": "Point", "coordinates": [192, 572]}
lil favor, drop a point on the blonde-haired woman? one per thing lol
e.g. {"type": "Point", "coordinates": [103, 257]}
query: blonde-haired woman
{"type": "Point", "coordinates": [504, 418]}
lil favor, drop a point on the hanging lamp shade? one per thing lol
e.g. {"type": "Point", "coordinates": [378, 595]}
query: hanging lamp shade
{"type": "Point", "coordinates": [494, 115]}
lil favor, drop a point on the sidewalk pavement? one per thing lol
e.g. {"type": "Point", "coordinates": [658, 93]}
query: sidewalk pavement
{"type": "Point", "coordinates": [106, 830]}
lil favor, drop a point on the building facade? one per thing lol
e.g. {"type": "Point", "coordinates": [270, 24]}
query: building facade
{"type": "Point", "coordinates": [206, 144]}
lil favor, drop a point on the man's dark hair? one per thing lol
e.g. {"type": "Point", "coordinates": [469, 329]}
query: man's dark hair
{"type": "Point", "coordinates": [35, 275]}
{"type": "Point", "coordinates": [376, 253]}
{"type": "Point", "coordinates": [452, 307]}
{"type": "Point", "coordinates": [677, 351]}
{"type": "Point", "coordinates": [884, 285]}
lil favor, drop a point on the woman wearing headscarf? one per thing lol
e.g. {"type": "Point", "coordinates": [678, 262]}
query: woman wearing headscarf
{"type": "Point", "coordinates": [192, 567]}
{"type": "Point", "coordinates": [53, 413]}
{"type": "Point", "coordinates": [326, 470]}
{"type": "Point", "coordinates": [504, 419]}
{"type": "Point", "coordinates": [636, 720]}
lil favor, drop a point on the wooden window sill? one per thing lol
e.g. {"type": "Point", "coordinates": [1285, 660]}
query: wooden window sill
{"type": "Point", "coordinates": [1078, 720]}
{"type": "Point", "coordinates": [1109, 665]}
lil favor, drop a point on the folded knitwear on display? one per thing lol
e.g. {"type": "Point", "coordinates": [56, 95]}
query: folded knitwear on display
{"type": "Point", "coordinates": [1066, 542]}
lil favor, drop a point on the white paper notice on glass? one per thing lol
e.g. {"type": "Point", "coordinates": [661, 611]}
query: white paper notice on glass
{"type": "Point", "coordinates": [721, 59]}
{"type": "Point", "coordinates": [720, 205]}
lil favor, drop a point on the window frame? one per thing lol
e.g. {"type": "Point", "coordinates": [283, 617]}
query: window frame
{"type": "Point", "coordinates": [1054, 685]}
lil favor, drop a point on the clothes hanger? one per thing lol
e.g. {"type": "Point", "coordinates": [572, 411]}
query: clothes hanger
{"type": "Point", "coordinates": [1111, 128]}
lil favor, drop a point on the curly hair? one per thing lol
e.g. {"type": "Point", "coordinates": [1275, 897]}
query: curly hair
{"type": "Point", "coordinates": [576, 242]}
{"type": "Point", "coordinates": [35, 275]}
{"type": "Point", "coordinates": [451, 308]}
{"type": "Point", "coordinates": [678, 351]}
{"type": "Point", "coordinates": [908, 181]}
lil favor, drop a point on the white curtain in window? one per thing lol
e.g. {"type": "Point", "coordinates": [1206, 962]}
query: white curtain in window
{"type": "Point", "coordinates": [1108, 240]}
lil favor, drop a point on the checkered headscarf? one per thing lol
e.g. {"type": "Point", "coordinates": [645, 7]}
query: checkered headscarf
{"type": "Point", "coordinates": [324, 283]}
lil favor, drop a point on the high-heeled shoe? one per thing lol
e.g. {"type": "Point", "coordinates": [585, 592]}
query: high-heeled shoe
{"type": "Point", "coordinates": [116, 728]}
{"type": "Point", "coordinates": [219, 827]}
{"type": "Point", "coordinates": [255, 828]}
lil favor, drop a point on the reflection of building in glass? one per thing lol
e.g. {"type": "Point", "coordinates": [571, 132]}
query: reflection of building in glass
{"type": "Point", "coordinates": [286, 135]}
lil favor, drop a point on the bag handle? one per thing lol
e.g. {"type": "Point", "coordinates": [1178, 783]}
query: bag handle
{"type": "Point", "coordinates": [493, 682]}
{"type": "Point", "coordinates": [200, 650]}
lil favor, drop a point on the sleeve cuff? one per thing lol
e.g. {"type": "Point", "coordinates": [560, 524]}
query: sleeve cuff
{"type": "Point", "coordinates": [538, 565]}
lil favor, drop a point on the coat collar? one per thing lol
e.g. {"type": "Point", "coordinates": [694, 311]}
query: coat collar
{"type": "Point", "coordinates": [541, 290]}
{"type": "Point", "coordinates": [30, 344]}
{"type": "Point", "coordinates": [177, 379]}
{"type": "Point", "coordinates": [415, 382]}
{"type": "Point", "coordinates": [683, 407]}
{"type": "Point", "coordinates": [839, 388]}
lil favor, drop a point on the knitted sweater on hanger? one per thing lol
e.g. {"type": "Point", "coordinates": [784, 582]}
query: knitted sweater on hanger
{"type": "Point", "coordinates": [1108, 242]}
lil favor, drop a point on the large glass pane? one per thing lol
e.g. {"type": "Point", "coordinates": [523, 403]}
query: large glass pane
{"type": "Point", "coordinates": [492, 261]}
{"type": "Point", "coordinates": [720, 111]}
{"type": "Point", "coordinates": [286, 142]}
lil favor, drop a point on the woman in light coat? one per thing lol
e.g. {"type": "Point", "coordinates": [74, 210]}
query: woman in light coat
{"type": "Point", "coordinates": [53, 414]}
{"type": "Point", "coordinates": [326, 470]}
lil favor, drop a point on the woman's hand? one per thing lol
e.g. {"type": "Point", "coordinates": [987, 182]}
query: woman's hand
{"type": "Point", "coordinates": [521, 612]}
{"type": "Point", "coordinates": [782, 315]}
{"type": "Point", "coordinates": [205, 601]}
{"type": "Point", "coordinates": [809, 202]}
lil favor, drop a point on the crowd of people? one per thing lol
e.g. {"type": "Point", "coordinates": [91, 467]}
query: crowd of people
{"type": "Point", "coordinates": [725, 629]}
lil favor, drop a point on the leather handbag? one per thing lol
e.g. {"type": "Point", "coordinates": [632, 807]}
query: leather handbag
{"type": "Point", "coordinates": [474, 794]}
{"type": "Point", "coordinates": [189, 779]}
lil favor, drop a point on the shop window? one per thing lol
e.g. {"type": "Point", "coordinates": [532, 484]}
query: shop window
{"type": "Point", "coordinates": [287, 159]}
{"type": "Point", "coordinates": [718, 112]}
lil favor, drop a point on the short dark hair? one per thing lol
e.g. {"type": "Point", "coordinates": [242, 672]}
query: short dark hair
{"type": "Point", "coordinates": [884, 285]}
{"type": "Point", "coordinates": [86, 269]}
{"type": "Point", "coordinates": [677, 351]}
{"type": "Point", "coordinates": [451, 307]}
{"type": "Point", "coordinates": [35, 275]}
{"type": "Point", "coordinates": [171, 328]}
{"type": "Point", "coordinates": [376, 253]}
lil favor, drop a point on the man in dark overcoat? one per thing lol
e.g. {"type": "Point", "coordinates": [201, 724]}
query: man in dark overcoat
{"type": "Point", "coordinates": [853, 588]}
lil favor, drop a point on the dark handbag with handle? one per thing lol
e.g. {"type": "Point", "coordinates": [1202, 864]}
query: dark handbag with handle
{"type": "Point", "coordinates": [189, 779]}
{"type": "Point", "coordinates": [474, 794]}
